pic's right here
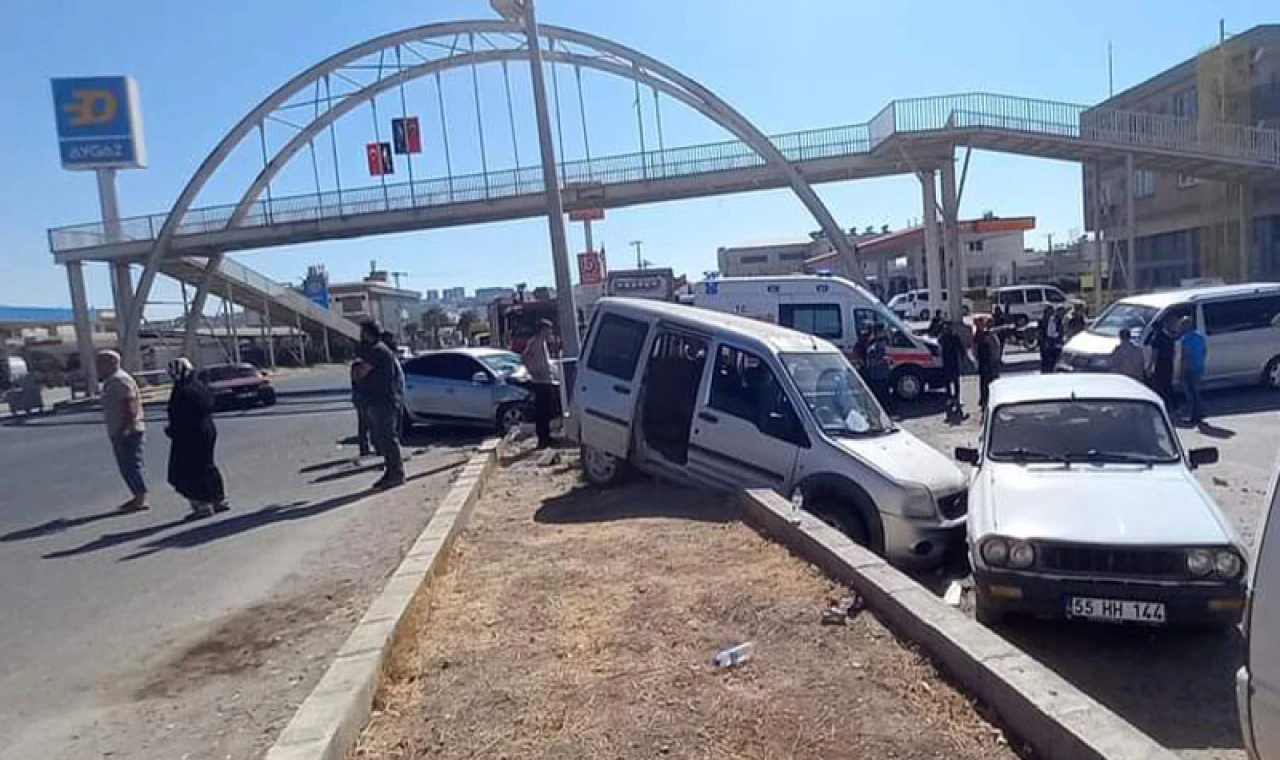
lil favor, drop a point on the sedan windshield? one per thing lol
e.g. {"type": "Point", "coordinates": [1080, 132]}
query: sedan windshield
{"type": "Point", "coordinates": [1122, 315]}
{"type": "Point", "coordinates": [503, 363]}
{"type": "Point", "coordinates": [1120, 431]}
{"type": "Point", "coordinates": [838, 398]}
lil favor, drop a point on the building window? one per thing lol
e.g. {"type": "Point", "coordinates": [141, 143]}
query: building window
{"type": "Point", "coordinates": [1186, 104]}
{"type": "Point", "coordinates": [353, 306]}
{"type": "Point", "coordinates": [799, 256]}
{"type": "Point", "coordinates": [754, 259]}
{"type": "Point", "coordinates": [1186, 180]}
{"type": "Point", "coordinates": [1144, 184]}
{"type": "Point", "coordinates": [975, 246]}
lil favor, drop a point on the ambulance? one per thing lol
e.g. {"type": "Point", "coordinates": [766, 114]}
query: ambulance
{"type": "Point", "coordinates": [831, 308]}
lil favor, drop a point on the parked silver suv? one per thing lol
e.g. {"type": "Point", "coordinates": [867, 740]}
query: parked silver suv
{"type": "Point", "coordinates": [484, 387]}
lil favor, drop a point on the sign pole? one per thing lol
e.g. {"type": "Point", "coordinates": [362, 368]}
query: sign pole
{"type": "Point", "coordinates": [121, 279]}
{"type": "Point", "coordinates": [586, 234]}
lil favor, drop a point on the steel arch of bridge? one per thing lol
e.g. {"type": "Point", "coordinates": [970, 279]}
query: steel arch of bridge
{"type": "Point", "coordinates": [559, 45]}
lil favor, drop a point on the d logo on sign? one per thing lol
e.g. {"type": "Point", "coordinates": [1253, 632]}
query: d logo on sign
{"type": "Point", "coordinates": [91, 107]}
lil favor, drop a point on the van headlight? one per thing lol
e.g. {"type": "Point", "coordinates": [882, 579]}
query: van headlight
{"type": "Point", "coordinates": [918, 503]}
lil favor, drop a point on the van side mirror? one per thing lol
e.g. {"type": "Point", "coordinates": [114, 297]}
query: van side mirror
{"type": "Point", "coordinates": [967, 454]}
{"type": "Point", "coordinates": [1206, 455]}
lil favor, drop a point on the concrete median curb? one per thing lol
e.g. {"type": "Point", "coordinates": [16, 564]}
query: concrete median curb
{"type": "Point", "coordinates": [1033, 702]}
{"type": "Point", "coordinates": [327, 724]}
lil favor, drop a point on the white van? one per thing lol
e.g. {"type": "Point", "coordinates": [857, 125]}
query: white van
{"type": "Point", "coordinates": [729, 403]}
{"type": "Point", "coordinates": [1241, 325]}
{"type": "Point", "coordinates": [832, 308]}
{"type": "Point", "coordinates": [1025, 303]}
{"type": "Point", "coordinates": [1258, 680]}
{"type": "Point", "coordinates": [914, 304]}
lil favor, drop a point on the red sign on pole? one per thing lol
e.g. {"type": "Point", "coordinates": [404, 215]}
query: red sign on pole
{"type": "Point", "coordinates": [590, 268]}
{"type": "Point", "coordinates": [586, 215]}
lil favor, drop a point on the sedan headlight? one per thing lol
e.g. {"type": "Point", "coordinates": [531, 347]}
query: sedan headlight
{"type": "Point", "coordinates": [1227, 564]}
{"type": "Point", "coordinates": [918, 503]}
{"type": "Point", "coordinates": [1200, 562]}
{"type": "Point", "coordinates": [1021, 555]}
{"type": "Point", "coordinates": [994, 551]}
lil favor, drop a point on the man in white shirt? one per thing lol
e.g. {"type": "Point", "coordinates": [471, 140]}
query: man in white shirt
{"type": "Point", "coordinates": [537, 359]}
{"type": "Point", "coordinates": [122, 413]}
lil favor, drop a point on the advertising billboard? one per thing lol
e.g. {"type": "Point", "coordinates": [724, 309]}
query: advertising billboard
{"type": "Point", "coordinates": [99, 123]}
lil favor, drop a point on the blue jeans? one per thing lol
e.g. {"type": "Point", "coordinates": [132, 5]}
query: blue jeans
{"type": "Point", "coordinates": [128, 450]}
{"type": "Point", "coordinates": [1191, 386]}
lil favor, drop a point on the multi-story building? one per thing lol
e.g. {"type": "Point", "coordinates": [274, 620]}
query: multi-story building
{"type": "Point", "coordinates": [1185, 227]}
{"type": "Point", "coordinates": [484, 296]}
{"type": "Point", "coordinates": [453, 295]}
{"type": "Point", "coordinates": [431, 296]}
{"type": "Point", "coordinates": [991, 249]}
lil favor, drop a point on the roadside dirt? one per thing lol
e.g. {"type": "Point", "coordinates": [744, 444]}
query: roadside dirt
{"type": "Point", "coordinates": [572, 622]}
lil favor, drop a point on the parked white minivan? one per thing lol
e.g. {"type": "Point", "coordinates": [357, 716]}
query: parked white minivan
{"type": "Point", "coordinates": [831, 308]}
{"type": "Point", "coordinates": [1241, 325]}
{"type": "Point", "coordinates": [729, 402]}
{"type": "Point", "coordinates": [1025, 303]}
{"type": "Point", "coordinates": [1258, 681]}
{"type": "Point", "coordinates": [914, 304]}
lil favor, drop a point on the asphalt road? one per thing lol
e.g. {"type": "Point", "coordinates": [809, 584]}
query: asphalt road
{"type": "Point", "coordinates": [152, 636]}
{"type": "Point", "coordinates": [1175, 685]}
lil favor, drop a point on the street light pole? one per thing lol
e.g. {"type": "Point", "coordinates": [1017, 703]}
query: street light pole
{"type": "Point", "coordinates": [522, 11]}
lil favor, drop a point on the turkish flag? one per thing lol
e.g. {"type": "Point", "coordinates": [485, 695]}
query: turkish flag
{"type": "Point", "coordinates": [373, 152]}
{"type": "Point", "coordinates": [388, 161]}
{"type": "Point", "coordinates": [412, 135]}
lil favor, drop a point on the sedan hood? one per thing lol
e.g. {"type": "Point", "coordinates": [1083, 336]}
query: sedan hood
{"type": "Point", "coordinates": [903, 457]}
{"type": "Point", "coordinates": [1091, 344]}
{"type": "Point", "coordinates": [1112, 504]}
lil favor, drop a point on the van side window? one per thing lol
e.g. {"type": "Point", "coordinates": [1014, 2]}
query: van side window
{"type": "Point", "coordinates": [1241, 314]}
{"type": "Point", "coordinates": [1035, 295]}
{"type": "Point", "coordinates": [1012, 297]}
{"type": "Point", "coordinates": [820, 319]}
{"type": "Point", "coordinates": [1053, 295]}
{"type": "Point", "coordinates": [617, 346]}
{"type": "Point", "coordinates": [744, 386]}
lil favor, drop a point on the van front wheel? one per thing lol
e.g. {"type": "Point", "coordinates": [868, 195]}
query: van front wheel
{"type": "Point", "coordinates": [1271, 375]}
{"type": "Point", "coordinates": [601, 468]}
{"type": "Point", "coordinates": [908, 384]}
{"type": "Point", "coordinates": [841, 517]}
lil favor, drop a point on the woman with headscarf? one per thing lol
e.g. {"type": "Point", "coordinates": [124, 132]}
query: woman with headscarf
{"type": "Point", "coordinates": [193, 436]}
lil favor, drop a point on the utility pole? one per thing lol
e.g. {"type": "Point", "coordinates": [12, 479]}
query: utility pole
{"type": "Point", "coordinates": [397, 276]}
{"type": "Point", "coordinates": [639, 260]}
{"type": "Point", "coordinates": [521, 11]}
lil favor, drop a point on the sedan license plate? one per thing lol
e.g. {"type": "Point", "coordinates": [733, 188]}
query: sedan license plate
{"type": "Point", "coordinates": [1115, 610]}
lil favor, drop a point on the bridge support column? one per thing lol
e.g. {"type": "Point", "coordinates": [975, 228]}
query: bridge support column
{"type": "Point", "coordinates": [1245, 221]}
{"type": "Point", "coordinates": [268, 330]}
{"type": "Point", "coordinates": [231, 326]}
{"type": "Point", "coordinates": [328, 355]}
{"type": "Point", "coordinates": [1131, 250]}
{"type": "Point", "coordinates": [122, 297]}
{"type": "Point", "coordinates": [954, 274]}
{"type": "Point", "coordinates": [84, 326]}
{"type": "Point", "coordinates": [195, 315]}
{"type": "Point", "coordinates": [932, 262]}
{"type": "Point", "coordinates": [1099, 241]}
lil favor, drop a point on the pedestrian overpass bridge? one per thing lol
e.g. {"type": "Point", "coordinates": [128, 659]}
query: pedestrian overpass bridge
{"type": "Point", "coordinates": [906, 136]}
{"type": "Point", "coordinates": [916, 136]}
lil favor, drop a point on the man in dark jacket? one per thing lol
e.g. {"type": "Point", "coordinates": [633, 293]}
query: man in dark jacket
{"type": "Point", "coordinates": [1050, 340]}
{"type": "Point", "coordinates": [382, 391]}
{"type": "Point", "coordinates": [952, 360]}
{"type": "Point", "coordinates": [1160, 373]}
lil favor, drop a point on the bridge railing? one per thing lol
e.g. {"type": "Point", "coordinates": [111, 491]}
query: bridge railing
{"type": "Point", "coordinates": [1112, 128]}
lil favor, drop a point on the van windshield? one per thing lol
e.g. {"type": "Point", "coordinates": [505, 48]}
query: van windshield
{"type": "Point", "coordinates": [839, 400]}
{"type": "Point", "coordinates": [1121, 315]}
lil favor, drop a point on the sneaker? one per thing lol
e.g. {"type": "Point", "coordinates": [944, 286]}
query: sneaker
{"type": "Point", "coordinates": [200, 509]}
{"type": "Point", "coordinates": [388, 482]}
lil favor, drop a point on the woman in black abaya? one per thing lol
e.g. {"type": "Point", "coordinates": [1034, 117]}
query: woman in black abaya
{"type": "Point", "coordinates": [193, 436]}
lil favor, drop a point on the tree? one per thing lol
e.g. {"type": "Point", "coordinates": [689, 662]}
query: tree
{"type": "Point", "coordinates": [469, 323]}
{"type": "Point", "coordinates": [433, 319]}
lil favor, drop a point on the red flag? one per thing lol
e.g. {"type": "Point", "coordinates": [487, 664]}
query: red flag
{"type": "Point", "coordinates": [373, 152]}
{"type": "Point", "coordinates": [412, 135]}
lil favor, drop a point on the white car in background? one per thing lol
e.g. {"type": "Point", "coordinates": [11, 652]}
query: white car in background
{"type": "Point", "coordinates": [479, 387]}
{"type": "Point", "coordinates": [914, 305]}
{"type": "Point", "coordinates": [1083, 505]}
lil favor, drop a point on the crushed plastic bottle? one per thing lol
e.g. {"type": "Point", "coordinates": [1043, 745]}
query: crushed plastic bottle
{"type": "Point", "coordinates": [735, 656]}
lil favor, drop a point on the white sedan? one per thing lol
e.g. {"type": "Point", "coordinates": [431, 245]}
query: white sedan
{"type": "Point", "coordinates": [1083, 505]}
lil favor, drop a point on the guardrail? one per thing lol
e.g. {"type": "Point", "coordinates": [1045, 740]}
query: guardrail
{"type": "Point", "coordinates": [1123, 130]}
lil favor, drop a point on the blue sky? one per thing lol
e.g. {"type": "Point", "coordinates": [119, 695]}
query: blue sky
{"type": "Point", "coordinates": [787, 66]}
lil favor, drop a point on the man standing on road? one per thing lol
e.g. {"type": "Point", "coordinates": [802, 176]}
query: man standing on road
{"type": "Point", "coordinates": [1126, 358]}
{"type": "Point", "coordinates": [986, 349]}
{"type": "Point", "coordinates": [537, 359]}
{"type": "Point", "coordinates": [359, 368]}
{"type": "Point", "coordinates": [122, 412]}
{"type": "Point", "coordinates": [1194, 355]}
{"type": "Point", "coordinates": [1050, 340]}
{"type": "Point", "coordinates": [382, 391]}
{"type": "Point", "coordinates": [1160, 373]}
{"type": "Point", "coordinates": [952, 357]}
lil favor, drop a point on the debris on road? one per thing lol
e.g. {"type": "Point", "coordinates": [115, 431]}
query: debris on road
{"type": "Point", "coordinates": [734, 656]}
{"type": "Point", "coordinates": [954, 594]}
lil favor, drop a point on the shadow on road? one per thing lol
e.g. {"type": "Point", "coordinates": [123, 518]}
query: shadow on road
{"type": "Point", "coordinates": [646, 499]}
{"type": "Point", "coordinates": [1177, 686]}
{"type": "Point", "coordinates": [60, 524]}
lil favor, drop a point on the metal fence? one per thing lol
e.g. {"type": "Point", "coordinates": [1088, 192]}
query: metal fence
{"type": "Point", "coordinates": [1122, 130]}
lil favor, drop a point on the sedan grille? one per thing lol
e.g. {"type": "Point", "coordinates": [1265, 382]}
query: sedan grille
{"type": "Point", "coordinates": [955, 505]}
{"type": "Point", "coordinates": [1103, 560]}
